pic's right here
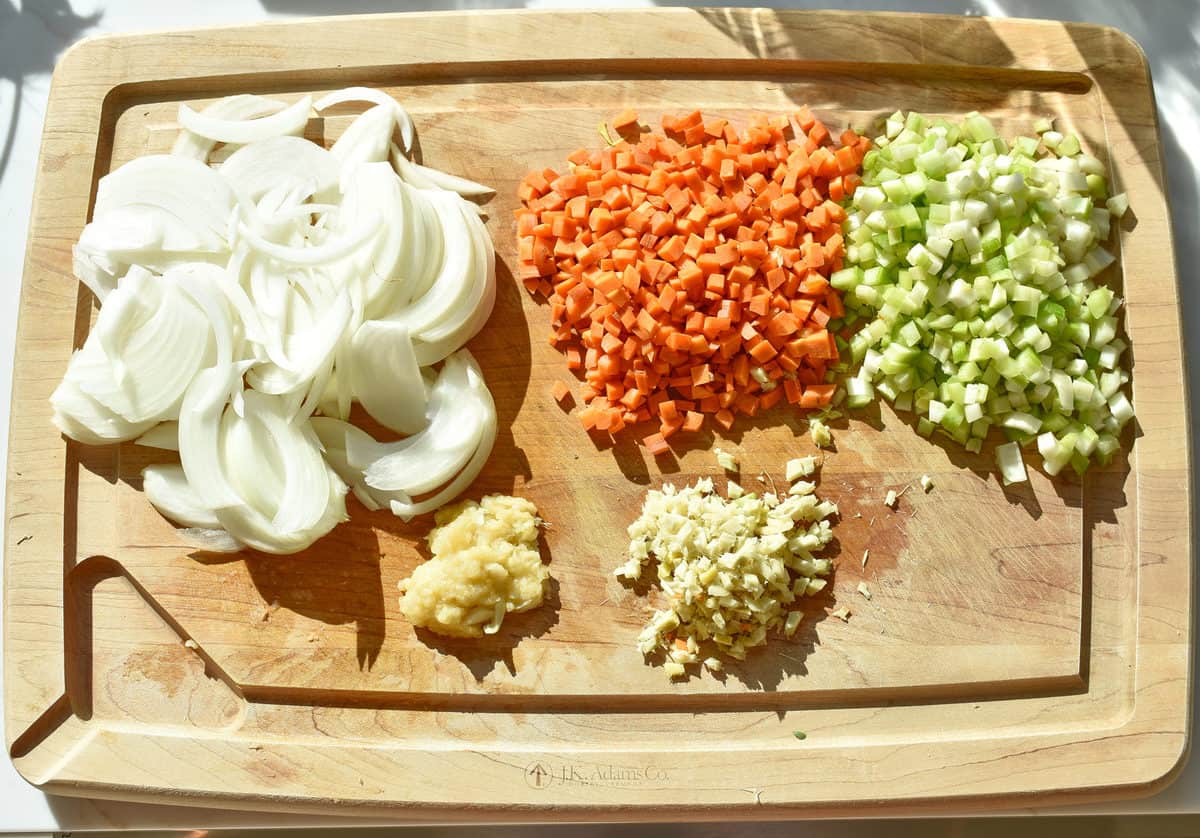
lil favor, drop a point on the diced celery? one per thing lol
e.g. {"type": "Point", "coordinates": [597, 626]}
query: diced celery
{"type": "Point", "coordinates": [1023, 422]}
{"type": "Point", "coordinates": [1121, 409]}
{"type": "Point", "coordinates": [859, 392]}
{"type": "Point", "coordinates": [847, 278]}
{"type": "Point", "coordinates": [975, 260]}
{"type": "Point", "coordinates": [1012, 464]}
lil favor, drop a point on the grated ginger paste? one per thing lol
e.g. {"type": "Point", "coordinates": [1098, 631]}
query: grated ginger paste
{"type": "Point", "coordinates": [485, 564]}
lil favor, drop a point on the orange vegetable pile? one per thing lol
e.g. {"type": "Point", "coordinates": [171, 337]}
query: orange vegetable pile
{"type": "Point", "coordinates": [687, 272]}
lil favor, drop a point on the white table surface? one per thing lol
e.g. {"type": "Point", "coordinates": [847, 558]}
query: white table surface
{"type": "Point", "coordinates": [33, 33]}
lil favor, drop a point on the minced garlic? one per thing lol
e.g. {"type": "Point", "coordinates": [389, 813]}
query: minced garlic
{"type": "Point", "coordinates": [801, 467]}
{"type": "Point", "coordinates": [725, 460]}
{"type": "Point", "coordinates": [485, 564]}
{"type": "Point", "coordinates": [729, 568]}
{"type": "Point", "coordinates": [819, 431]}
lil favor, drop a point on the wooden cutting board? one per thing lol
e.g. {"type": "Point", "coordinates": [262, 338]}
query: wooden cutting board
{"type": "Point", "coordinates": [1028, 645]}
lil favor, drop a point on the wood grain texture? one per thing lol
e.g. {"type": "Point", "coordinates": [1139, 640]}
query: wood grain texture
{"type": "Point", "coordinates": [1021, 645]}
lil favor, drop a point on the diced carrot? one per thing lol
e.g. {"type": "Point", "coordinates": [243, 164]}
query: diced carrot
{"type": "Point", "coordinates": [784, 206]}
{"type": "Point", "coordinates": [624, 119]}
{"type": "Point", "coordinates": [763, 351]}
{"type": "Point", "coordinates": [672, 268]}
{"type": "Point", "coordinates": [672, 249]}
{"type": "Point", "coordinates": [656, 444]}
{"type": "Point", "coordinates": [823, 392]}
{"type": "Point", "coordinates": [560, 391]}
{"type": "Point", "coordinates": [769, 399]}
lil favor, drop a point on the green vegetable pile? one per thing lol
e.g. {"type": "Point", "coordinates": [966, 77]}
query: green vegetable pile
{"type": "Point", "coordinates": [972, 268]}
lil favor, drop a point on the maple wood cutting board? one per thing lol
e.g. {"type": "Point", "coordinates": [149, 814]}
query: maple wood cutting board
{"type": "Point", "coordinates": [1022, 645]}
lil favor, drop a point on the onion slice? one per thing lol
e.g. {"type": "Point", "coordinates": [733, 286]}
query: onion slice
{"type": "Point", "coordinates": [164, 435]}
{"type": "Point", "coordinates": [335, 435]}
{"type": "Point", "coordinates": [143, 352]}
{"type": "Point", "coordinates": [241, 106]}
{"type": "Point", "coordinates": [385, 377]}
{"type": "Point", "coordinates": [285, 161]}
{"type": "Point", "coordinates": [263, 477]}
{"type": "Point", "coordinates": [183, 202]}
{"type": "Point", "coordinates": [424, 177]}
{"type": "Point", "coordinates": [374, 196]}
{"type": "Point", "coordinates": [454, 284]}
{"type": "Point", "coordinates": [407, 510]}
{"type": "Point", "coordinates": [85, 420]}
{"type": "Point", "coordinates": [167, 488]}
{"type": "Point", "coordinates": [291, 120]}
{"type": "Point", "coordinates": [377, 97]}
{"type": "Point", "coordinates": [437, 343]}
{"type": "Point", "coordinates": [307, 352]}
{"type": "Point", "coordinates": [367, 139]}
{"type": "Point", "coordinates": [316, 255]}
{"type": "Point", "coordinates": [460, 408]}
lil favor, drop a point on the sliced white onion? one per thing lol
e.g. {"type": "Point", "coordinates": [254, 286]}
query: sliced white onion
{"type": "Point", "coordinates": [377, 97]}
{"type": "Point", "coordinates": [316, 255]}
{"type": "Point", "coordinates": [408, 170]}
{"type": "Point", "coordinates": [200, 437]}
{"type": "Point", "coordinates": [386, 378]}
{"type": "Point", "coordinates": [210, 540]}
{"type": "Point", "coordinates": [424, 177]}
{"type": "Point", "coordinates": [312, 399]}
{"type": "Point", "coordinates": [315, 278]}
{"type": "Point", "coordinates": [241, 106]}
{"type": "Point", "coordinates": [452, 287]}
{"type": "Point", "coordinates": [164, 435]}
{"type": "Point", "coordinates": [205, 285]}
{"type": "Point", "coordinates": [85, 420]}
{"type": "Point", "coordinates": [459, 407]}
{"type": "Point", "coordinates": [173, 203]}
{"type": "Point", "coordinates": [138, 301]}
{"type": "Point", "coordinates": [367, 139]}
{"type": "Point", "coordinates": [407, 510]}
{"type": "Point", "coordinates": [438, 342]}
{"type": "Point", "coordinates": [307, 351]}
{"type": "Point", "coordinates": [167, 488]}
{"type": "Point", "coordinates": [334, 435]}
{"type": "Point", "coordinates": [421, 260]}
{"type": "Point", "coordinates": [298, 506]}
{"type": "Point", "coordinates": [263, 477]}
{"type": "Point", "coordinates": [287, 161]}
{"type": "Point", "coordinates": [97, 270]}
{"type": "Point", "coordinates": [291, 120]}
{"type": "Point", "coordinates": [374, 195]}
{"type": "Point", "coordinates": [160, 341]}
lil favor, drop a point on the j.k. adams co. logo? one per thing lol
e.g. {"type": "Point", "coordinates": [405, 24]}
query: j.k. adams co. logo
{"type": "Point", "coordinates": [542, 774]}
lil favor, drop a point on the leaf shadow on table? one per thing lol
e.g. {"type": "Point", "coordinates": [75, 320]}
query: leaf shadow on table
{"type": "Point", "coordinates": [30, 40]}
